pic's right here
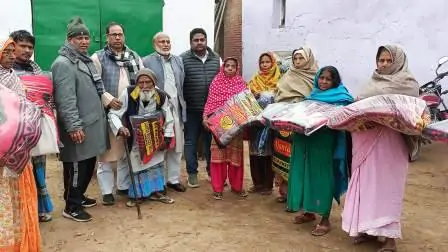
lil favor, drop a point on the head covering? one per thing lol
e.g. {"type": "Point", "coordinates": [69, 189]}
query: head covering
{"type": "Point", "coordinates": [399, 81]}
{"type": "Point", "coordinates": [338, 95]}
{"type": "Point", "coordinates": [4, 44]}
{"type": "Point", "coordinates": [297, 83]}
{"type": "Point", "coordinates": [143, 72]}
{"type": "Point", "coordinates": [265, 80]}
{"type": "Point", "coordinates": [7, 76]}
{"type": "Point", "coordinates": [223, 88]}
{"type": "Point", "coordinates": [76, 27]}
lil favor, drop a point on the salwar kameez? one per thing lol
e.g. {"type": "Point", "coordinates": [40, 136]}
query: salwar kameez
{"type": "Point", "coordinates": [311, 181]}
{"type": "Point", "coordinates": [225, 162]}
{"type": "Point", "coordinates": [45, 205]}
{"type": "Point", "coordinates": [260, 151]}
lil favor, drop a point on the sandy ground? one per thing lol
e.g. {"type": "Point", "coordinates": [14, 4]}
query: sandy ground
{"type": "Point", "coordinates": [196, 222]}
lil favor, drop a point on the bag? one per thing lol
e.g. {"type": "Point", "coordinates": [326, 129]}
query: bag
{"type": "Point", "coordinates": [303, 117]}
{"type": "Point", "coordinates": [405, 114]}
{"type": "Point", "coordinates": [19, 129]}
{"type": "Point", "coordinates": [239, 111]}
{"type": "Point", "coordinates": [437, 131]}
{"type": "Point", "coordinates": [48, 141]}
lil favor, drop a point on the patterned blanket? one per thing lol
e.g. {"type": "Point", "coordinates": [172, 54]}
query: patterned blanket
{"type": "Point", "coordinates": [437, 131]}
{"type": "Point", "coordinates": [148, 134]}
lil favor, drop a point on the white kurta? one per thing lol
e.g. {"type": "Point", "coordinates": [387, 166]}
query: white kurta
{"type": "Point", "coordinates": [115, 122]}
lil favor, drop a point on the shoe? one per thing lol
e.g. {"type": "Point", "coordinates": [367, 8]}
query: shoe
{"type": "Point", "coordinates": [123, 192]}
{"type": "Point", "coordinates": [88, 202]}
{"type": "Point", "coordinates": [178, 187]}
{"type": "Point", "coordinates": [217, 195]}
{"type": "Point", "coordinates": [77, 214]}
{"type": "Point", "coordinates": [193, 181]}
{"type": "Point", "coordinates": [108, 200]}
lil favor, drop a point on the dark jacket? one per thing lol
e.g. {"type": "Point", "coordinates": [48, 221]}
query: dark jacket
{"type": "Point", "coordinates": [198, 77]}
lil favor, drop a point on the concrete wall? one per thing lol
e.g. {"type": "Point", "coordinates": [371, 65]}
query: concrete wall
{"type": "Point", "coordinates": [346, 33]}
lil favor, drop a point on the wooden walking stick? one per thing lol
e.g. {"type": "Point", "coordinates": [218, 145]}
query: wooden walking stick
{"type": "Point", "coordinates": [131, 174]}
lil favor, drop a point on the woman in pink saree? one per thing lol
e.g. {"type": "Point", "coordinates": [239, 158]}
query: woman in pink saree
{"type": "Point", "coordinates": [374, 199]}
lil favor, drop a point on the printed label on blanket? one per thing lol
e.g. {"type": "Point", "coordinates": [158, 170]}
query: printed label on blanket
{"type": "Point", "coordinates": [282, 153]}
{"type": "Point", "coordinates": [19, 129]}
{"type": "Point", "coordinates": [437, 131]}
{"type": "Point", "coordinates": [239, 111]}
{"type": "Point", "coordinates": [148, 134]}
{"type": "Point", "coordinates": [303, 117]}
{"type": "Point", "coordinates": [405, 114]}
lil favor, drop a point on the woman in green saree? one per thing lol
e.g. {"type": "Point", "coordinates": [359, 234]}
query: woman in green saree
{"type": "Point", "coordinates": [318, 161]}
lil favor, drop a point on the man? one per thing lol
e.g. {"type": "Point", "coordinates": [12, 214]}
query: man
{"type": "Point", "coordinates": [78, 89]}
{"type": "Point", "coordinates": [169, 72]}
{"type": "Point", "coordinates": [23, 65]}
{"type": "Point", "coordinates": [201, 65]}
{"type": "Point", "coordinates": [118, 66]}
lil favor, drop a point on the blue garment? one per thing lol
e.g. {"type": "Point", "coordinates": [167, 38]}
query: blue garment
{"type": "Point", "coordinates": [147, 182]}
{"type": "Point", "coordinates": [43, 198]}
{"type": "Point", "coordinates": [192, 132]}
{"type": "Point", "coordinates": [336, 96]}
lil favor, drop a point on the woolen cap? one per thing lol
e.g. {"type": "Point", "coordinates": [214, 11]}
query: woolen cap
{"type": "Point", "coordinates": [76, 27]}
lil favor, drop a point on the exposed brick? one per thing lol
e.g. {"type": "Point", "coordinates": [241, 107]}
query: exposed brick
{"type": "Point", "coordinates": [232, 30]}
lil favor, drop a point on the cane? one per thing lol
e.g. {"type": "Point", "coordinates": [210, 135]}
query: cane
{"type": "Point", "coordinates": [131, 174]}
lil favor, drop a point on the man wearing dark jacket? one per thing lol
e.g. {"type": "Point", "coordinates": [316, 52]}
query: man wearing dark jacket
{"type": "Point", "coordinates": [201, 65]}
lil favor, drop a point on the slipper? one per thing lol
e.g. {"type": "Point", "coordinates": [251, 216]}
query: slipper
{"type": "Point", "coordinates": [304, 218]}
{"type": "Point", "coordinates": [254, 189]}
{"type": "Point", "coordinates": [320, 230]}
{"type": "Point", "coordinates": [364, 238]}
{"type": "Point", "coordinates": [387, 250]}
{"type": "Point", "coordinates": [161, 198]}
{"type": "Point", "coordinates": [45, 218]}
{"type": "Point", "coordinates": [281, 199]}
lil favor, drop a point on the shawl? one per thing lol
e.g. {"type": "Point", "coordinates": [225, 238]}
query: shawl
{"type": "Point", "coordinates": [67, 50]}
{"type": "Point", "coordinates": [27, 67]}
{"type": "Point", "coordinates": [223, 88]}
{"type": "Point", "coordinates": [7, 76]}
{"type": "Point", "coordinates": [265, 80]}
{"type": "Point", "coordinates": [400, 81]}
{"type": "Point", "coordinates": [127, 59]}
{"type": "Point", "coordinates": [297, 83]}
{"type": "Point", "coordinates": [338, 96]}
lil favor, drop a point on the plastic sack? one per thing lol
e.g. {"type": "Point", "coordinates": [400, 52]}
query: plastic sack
{"type": "Point", "coordinates": [405, 114]}
{"type": "Point", "coordinates": [303, 117]}
{"type": "Point", "coordinates": [19, 129]}
{"type": "Point", "coordinates": [48, 141]}
{"type": "Point", "coordinates": [239, 111]}
{"type": "Point", "coordinates": [437, 131]}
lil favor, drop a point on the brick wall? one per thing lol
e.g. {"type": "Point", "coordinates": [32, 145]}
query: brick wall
{"type": "Point", "coordinates": [232, 34]}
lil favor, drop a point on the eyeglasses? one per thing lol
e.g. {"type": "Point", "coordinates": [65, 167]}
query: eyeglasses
{"type": "Point", "coordinates": [116, 35]}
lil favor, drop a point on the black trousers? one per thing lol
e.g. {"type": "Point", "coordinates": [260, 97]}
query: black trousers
{"type": "Point", "coordinates": [77, 176]}
{"type": "Point", "coordinates": [261, 172]}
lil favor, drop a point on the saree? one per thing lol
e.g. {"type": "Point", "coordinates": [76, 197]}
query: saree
{"type": "Point", "coordinates": [319, 169]}
{"type": "Point", "coordinates": [374, 198]}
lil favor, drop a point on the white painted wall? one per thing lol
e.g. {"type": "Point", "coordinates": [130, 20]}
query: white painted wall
{"type": "Point", "coordinates": [181, 16]}
{"type": "Point", "coordinates": [347, 33]}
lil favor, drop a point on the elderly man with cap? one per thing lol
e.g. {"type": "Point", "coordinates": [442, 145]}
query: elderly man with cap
{"type": "Point", "coordinates": [78, 93]}
{"type": "Point", "coordinates": [169, 71]}
{"type": "Point", "coordinates": [143, 99]}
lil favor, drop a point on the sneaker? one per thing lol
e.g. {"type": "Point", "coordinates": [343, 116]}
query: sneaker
{"type": "Point", "coordinates": [88, 202]}
{"type": "Point", "coordinates": [108, 200]}
{"type": "Point", "coordinates": [78, 215]}
{"type": "Point", "coordinates": [193, 181]}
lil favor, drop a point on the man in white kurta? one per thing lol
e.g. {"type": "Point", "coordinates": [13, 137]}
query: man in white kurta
{"type": "Point", "coordinates": [140, 100]}
{"type": "Point", "coordinates": [170, 74]}
{"type": "Point", "coordinates": [118, 66]}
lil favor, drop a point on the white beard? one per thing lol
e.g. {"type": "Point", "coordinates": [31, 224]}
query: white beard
{"type": "Point", "coordinates": [161, 52]}
{"type": "Point", "coordinates": [146, 96]}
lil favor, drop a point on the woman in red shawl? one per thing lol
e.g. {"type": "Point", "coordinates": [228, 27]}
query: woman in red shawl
{"type": "Point", "coordinates": [228, 160]}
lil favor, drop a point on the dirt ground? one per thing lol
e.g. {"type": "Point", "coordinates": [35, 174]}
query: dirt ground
{"type": "Point", "coordinates": [196, 222]}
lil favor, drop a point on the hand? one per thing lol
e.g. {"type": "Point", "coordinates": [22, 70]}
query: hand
{"type": "Point", "coordinates": [77, 136]}
{"type": "Point", "coordinates": [257, 96]}
{"type": "Point", "coordinates": [165, 144]}
{"type": "Point", "coordinates": [206, 124]}
{"type": "Point", "coordinates": [124, 132]}
{"type": "Point", "coordinates": [115, 104]}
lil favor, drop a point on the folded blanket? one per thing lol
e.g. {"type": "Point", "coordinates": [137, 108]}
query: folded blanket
{"type": "Point", "coordinates": [437, 131]}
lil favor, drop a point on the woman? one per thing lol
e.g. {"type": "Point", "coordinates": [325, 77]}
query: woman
{"type": "Point", "coordinates": [319, 161]}
{"type": "Point", "coordinates": [294, 86]}
{"type": "Point", "coordinates": [262, 84]}
{"type": "Point", "coordinates": [18, 195]}
{"type": "Point", "coordinates": [380, 160]}
{"type": "Point", "coordinates": [227, 160]}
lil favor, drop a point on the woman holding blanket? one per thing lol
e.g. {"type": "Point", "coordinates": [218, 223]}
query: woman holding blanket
{"type": "Point", "coordinates": [228, 160]}
{"type": "Point", "coordinates": [263, 85]}
{"type": "Point", "coordinates": [294, 86]}
{"type": "Point", "coordinates": [318, 161]}
{"type": "Point", "coordinates": [375, 194]}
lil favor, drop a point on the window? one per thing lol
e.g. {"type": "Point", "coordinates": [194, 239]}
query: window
{"type": "Point", "coordinates": [279, 14]}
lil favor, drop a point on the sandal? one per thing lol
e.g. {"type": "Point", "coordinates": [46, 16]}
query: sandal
{"type": "Point", "coordinates": [320, 230]}
{"type": "Point", "coordinates": [387, 250]}
{"type": "Point", "coordinates": [364, 238]}
{"type": "Point", "coordinates": [217, 195]}
{"type": "Point", "coordinates": [242, 193]}
{"type": "Point", "coordinates": [304, 218]}
{"type": "Point", "coordinates": [45, 218]}
{"type": "Point", "coordinates": [281, 199]}
{"type": "Point", "coordinates": [161, 198]}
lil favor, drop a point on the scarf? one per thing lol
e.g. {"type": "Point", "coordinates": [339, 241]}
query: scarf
{"type": "Point", "coordinates": [338, 96]}
{"type": "Point", "coordinates": [297, 83]}
{"type": "Point", "coordinates": [400, 81]}
{"type": "Point", "coordinates": [222, 89]}
{"type": "Point", "coordinates": [67, 50]}
{"type": "Point", "coordinates": [126, 59]}
{"type": "Point", "coordinates": [7, 76]}
{"type": "Point", "coordinates": [28, 67]}
{"type": "Point", "coordinates": [265, 81]}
